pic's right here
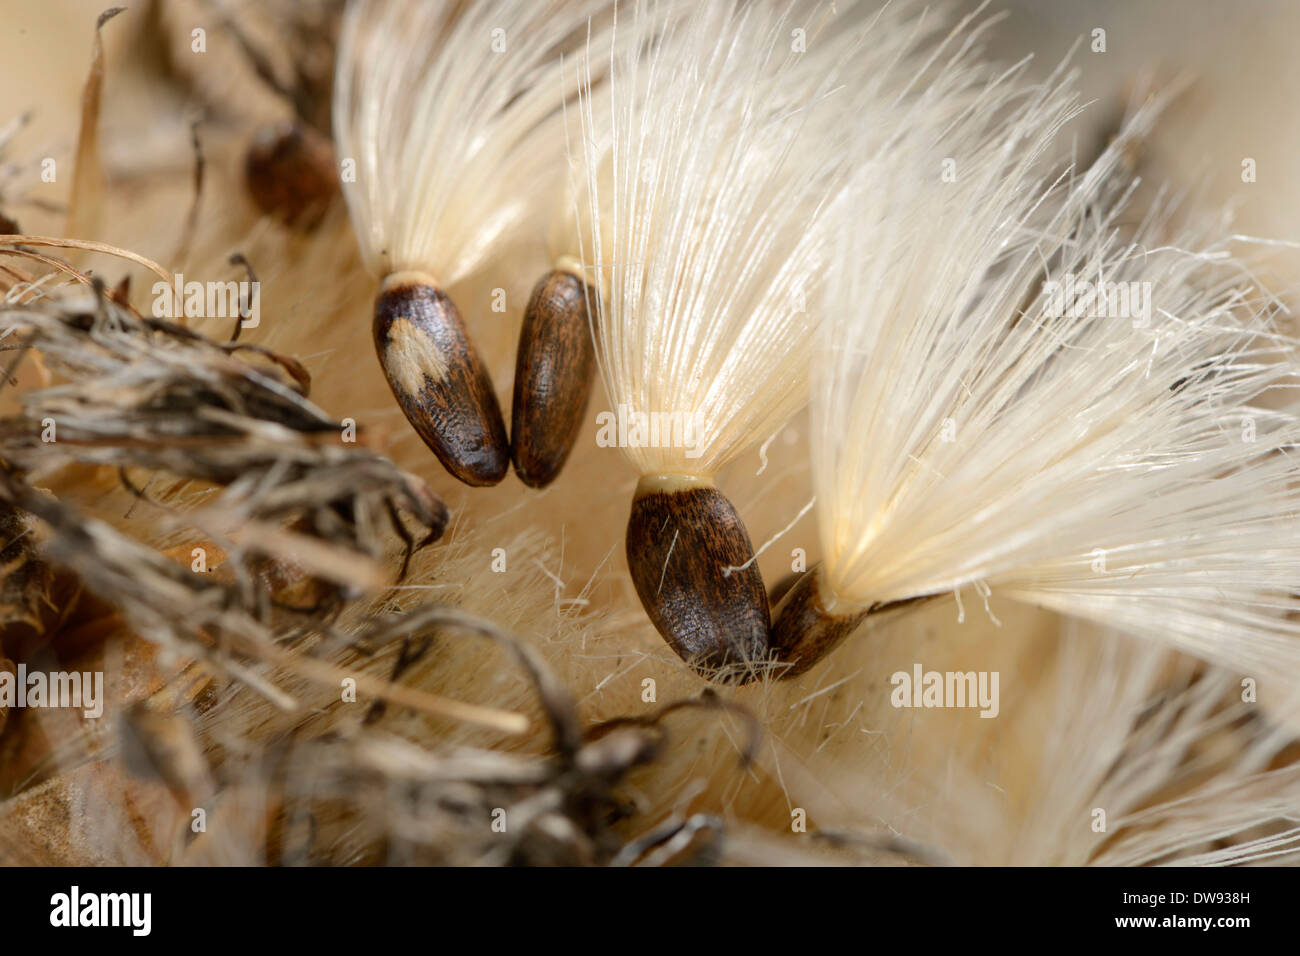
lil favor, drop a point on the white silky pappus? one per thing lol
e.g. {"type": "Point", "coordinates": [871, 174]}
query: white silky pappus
{"type": "Point", "coordinates": [708, 188]}
{"type": "Point", "coordinates": [1115, 462]}
{"type": "Point", "coordinates": [452, 114]}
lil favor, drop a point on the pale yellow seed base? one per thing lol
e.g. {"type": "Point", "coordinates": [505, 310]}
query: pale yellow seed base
{"type": "Point", "coordinates": [405, 277]}
{"type": "Point", "coordinates": [668, 484]}
{"type": "Point", "coordinates": [570, 265]}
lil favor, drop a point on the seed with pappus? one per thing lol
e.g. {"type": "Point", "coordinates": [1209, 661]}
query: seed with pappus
{"type": "Point", "coordinates": [971, 435]}
{"type": "Point", "coordinates": [450, 114]}
{"type": "Point", "coordinates": [707, 226]}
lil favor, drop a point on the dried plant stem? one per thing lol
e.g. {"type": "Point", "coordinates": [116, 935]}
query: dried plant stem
{"type": "Point", "coordinates": [86, 207]}
{"type": "Point", "coordinates": [60, 243]}
{"type": "Point", "coordinates": [325, 673]}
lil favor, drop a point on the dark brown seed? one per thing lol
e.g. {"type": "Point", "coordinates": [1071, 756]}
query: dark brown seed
{"type": "Point", "coordinates": [290, 173]}
{"type": "Point", "coordinates": [439, 379]}
{"type": "Point", "coordinates": [681, 537]}
{"type": "Point", "coordinates": [804, 631]}
{"type": "Point", "coordinates": [552, 378]}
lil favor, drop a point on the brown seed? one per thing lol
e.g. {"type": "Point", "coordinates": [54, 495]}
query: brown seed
{"type": "Point", "coordinates": [804, 631]}
{"type": "Point", "coordinates": [427, 507]}
{"type": "Point", "coordinates": [681, 537]}
{"type": "Point", "coordinates": [439, 379]}
{"type": "Point", "coordinates": [810, 622]}
{"type": "Point", "coordinates": [290, 173]}
{"type": "Point", "coordinates": [553, 376]}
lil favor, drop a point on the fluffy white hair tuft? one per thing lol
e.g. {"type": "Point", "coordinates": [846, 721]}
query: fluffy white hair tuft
{"type": "Point", "coordinates": [1019, 390]}
{"type": "Point", "coordinates": [453, 116]}
{"type": "Point", "coordinates": [712, 179]}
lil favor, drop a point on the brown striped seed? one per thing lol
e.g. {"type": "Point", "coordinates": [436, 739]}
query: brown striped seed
{"type": "Point", "coordinates": [553, 375]}
{"type": "Point", "coordinates": [809, 622]}
{"type": "Point", "coordinates": [289, 171]}
{"type": "Point", "coordinates": [682, 536]}
{"type": "Point", "coordinates": [804, 631]}
{"type": "Point", "coordinates": [439, 379]}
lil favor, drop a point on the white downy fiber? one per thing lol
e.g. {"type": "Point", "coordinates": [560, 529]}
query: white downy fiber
{"type": "Point", "coordinates": [453, 114]}
{"type": "Point", "coordinates": [1117, 468]}
{"type": "Point", "coordinates": [1115, 753]}
{"type": "Point", "coordinates": [714, 197]}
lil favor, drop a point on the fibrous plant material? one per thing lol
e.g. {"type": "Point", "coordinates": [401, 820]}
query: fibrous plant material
{"type": "Point", "coordinates": [24, 578]}
{"type": "Point", "coordinates": [297, 513]}
{"type": "Point", "coordinates": [1188, 771]}
{"type": "Point", "coordinates": [966, 117]}
{"type": "Point", "coordinates": [372, 790]}
{"type": "Point", "coordinates": [451, 116]}
{"type": "Point", "coordinates": [147, 393]}
{"type": "Point", "coordinates": [26, 586]}
{"type": "Point", "coordinates": [1126, 754]}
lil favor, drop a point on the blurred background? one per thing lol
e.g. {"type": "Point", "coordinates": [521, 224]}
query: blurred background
{"type": "Point", "coordinates": [1240, 58]}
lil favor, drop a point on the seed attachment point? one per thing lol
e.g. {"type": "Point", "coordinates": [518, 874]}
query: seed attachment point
{"type": "Point", "coordinates": [804, 630]}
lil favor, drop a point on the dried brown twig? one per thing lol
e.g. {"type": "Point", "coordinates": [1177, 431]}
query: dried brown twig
{"type": "Point", "coordinates": [198, 615]}
{"type": "Point", "coordinates": [146, 393]}
{"type": "Point", "coordinates": [358, 792]}
{"type": "Point", "coordinates": [86, 207]}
